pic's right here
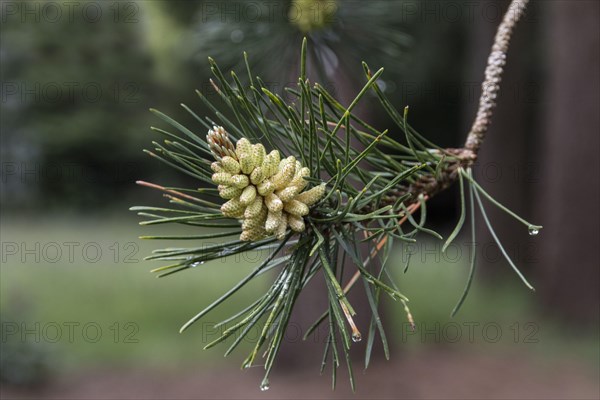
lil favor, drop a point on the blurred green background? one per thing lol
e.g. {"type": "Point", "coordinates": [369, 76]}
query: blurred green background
{"type": "Point", "coordinates": [83, 318]}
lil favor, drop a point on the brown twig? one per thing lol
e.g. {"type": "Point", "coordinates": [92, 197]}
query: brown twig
{"type": "Point", "coordinates": [429, 185]}
{"type": "Point", "coordinates": [166, 190]}
{"type": "Point", "coordinates": [493, 75]}
{"type": "Point", "coordinates": [379, 245]}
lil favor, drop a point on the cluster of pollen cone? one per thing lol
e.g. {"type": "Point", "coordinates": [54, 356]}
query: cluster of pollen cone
{"type": "Point", "coordinates": [262, 190]}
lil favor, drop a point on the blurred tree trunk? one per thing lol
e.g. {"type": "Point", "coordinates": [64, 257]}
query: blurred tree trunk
{"type": "Point", "coordinates": [568, 201]}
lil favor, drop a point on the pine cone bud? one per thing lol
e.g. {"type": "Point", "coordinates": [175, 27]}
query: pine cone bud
{"type": "Point", "coordinates": [311, 196]}
{"type": "Point", "coordinates": [254, 208]}
{"type": "Point", "coordinates": [266, 187]}
{"type": "Point", "coordinates": [253, 223]}
{"type": "Point", "coordinates": [233, 208]}
{"type": "Point", "coordinates": [274, 219]}
{"type": "Point", "coordinates": [230, 165]}
{"type": "Point", "coordinates": [296, 207]}
{"type": "Point", "coordinates": [299, 180]}
{"type": "Point", "coordinates": [248, 195]}
{"type": "Point", "coordinates": [239, 181]}
{"type": "Point", "coordinates": [262, 190]}
{"type": "Point", "coordinates": [222, 178]}
{"type": "Point", "coordinates": [243, 147]}
{"type": "Point", "coordinates": [247, 163]}
{"type": "Point", "coordinates": [262, 214]}
{"type": "Point", "coordinates": [257, 176]}
{"type": "Point", "coordinates": [229, 192]}
{"type": "Point", "coordinates": [282, 228]}
{"type": "Point", "coordinates": [217, 167]}
{"type": "Point", "coordinates": [259, 153]}
{"type": "Point", "coordinates": [252, 235]}
{"type": "Point", "coordinates": [296, 223]}
{"type": "Point", "coordinates": [287, 170]}
{"type": "Point", "coordinates": [219, 143]}
{"type": "Point", "coordinates": [271, 163]}
{"type": "Point", "coordinates": [288, 193]}
{"type": "Point", "coordinates": [273, 202]}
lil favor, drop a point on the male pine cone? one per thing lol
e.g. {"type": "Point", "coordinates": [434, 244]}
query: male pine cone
{"type": "Point", "coordinates": [263, 191]}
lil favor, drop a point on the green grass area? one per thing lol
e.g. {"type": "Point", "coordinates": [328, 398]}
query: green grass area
{"type": "Point", "coordinates": [140, 315]}
{"type": "Point", "coordinates": [499, 313]}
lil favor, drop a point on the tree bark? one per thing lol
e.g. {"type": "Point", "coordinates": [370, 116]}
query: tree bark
{"type": "Point", "coordinates": [569, 196]}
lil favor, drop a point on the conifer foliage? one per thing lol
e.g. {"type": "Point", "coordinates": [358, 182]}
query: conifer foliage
{"type": "Point", "coordinates": [317, 190]}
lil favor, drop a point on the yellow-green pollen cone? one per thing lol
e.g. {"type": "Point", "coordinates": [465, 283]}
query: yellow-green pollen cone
{"type": "Point", "coordinates": [266, 193]}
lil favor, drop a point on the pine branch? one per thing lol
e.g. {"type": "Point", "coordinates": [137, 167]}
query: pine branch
{"type": "Point", "coordinates": [493, 75]}
{"type": "Point", "coordinates": [292, 183]}
{"type": "Point", "coordinates": [463, 158]}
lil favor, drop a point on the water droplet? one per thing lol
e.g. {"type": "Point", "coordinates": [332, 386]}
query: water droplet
{"type": "Point", "coordinates": [264, 386]}
{"type": "Point", "coordinates": [356, 336]}
{"type": "Point", "coordinates": [533, 230]}
{"type": "Point", "coordinates": [225, 252]}
{"type": "Point", "coordinates": [193, 265]}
